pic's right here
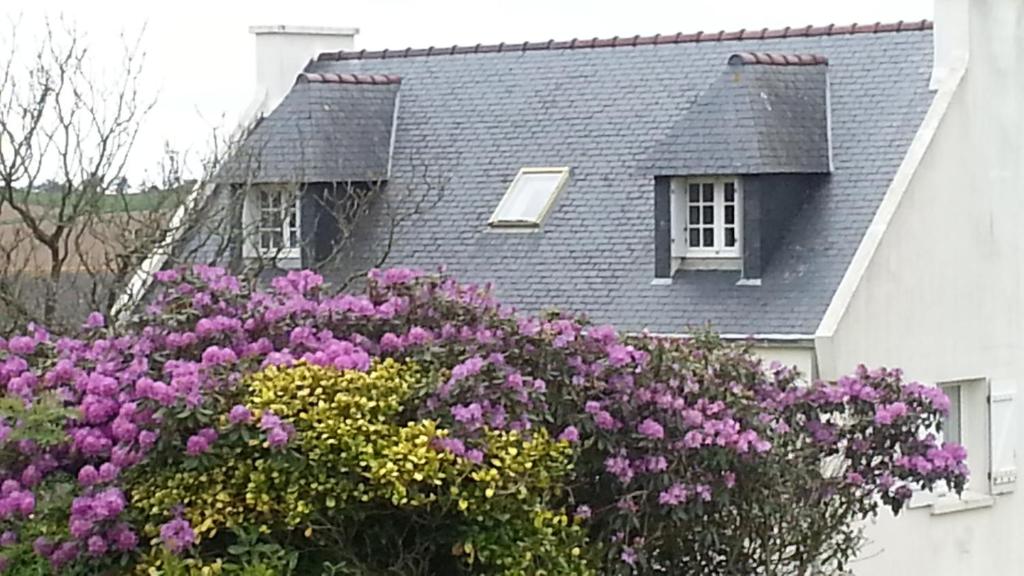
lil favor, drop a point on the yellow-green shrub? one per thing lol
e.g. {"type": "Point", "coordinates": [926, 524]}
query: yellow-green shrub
{"type": "Point", "coordinates": [359, 458]}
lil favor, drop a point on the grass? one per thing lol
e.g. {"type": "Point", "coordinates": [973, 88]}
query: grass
{"type": "Point", "coordinates": [149, 201]}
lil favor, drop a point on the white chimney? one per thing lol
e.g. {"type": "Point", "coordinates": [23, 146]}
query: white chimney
{"type": "Point", "coordinates": [283, 51]}
{"type": "Point", "coordinates": [952, 38]}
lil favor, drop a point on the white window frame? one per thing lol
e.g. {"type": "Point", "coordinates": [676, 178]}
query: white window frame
{"type": "Point", "coordinates": [496, 221]}
{"type": "Point", "coordinates": [680, 208]}
{"type": "Point", "coordinates": [252, 225]}
{"type": "Point", "coordinates": [975, 436]}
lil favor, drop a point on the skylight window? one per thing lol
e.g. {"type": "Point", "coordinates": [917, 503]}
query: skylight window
{"type": "Point", "coordinates": [530, 196]}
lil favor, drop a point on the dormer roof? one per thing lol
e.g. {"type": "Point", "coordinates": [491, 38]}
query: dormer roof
{"type": "Point", "coordinates": [765, 113]}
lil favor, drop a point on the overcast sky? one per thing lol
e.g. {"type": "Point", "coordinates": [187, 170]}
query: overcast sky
{"type": "Point", "coordinates": [200, 55]}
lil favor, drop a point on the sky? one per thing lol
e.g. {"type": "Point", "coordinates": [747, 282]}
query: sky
{"type": "Point", "coordinates": [200, 59]}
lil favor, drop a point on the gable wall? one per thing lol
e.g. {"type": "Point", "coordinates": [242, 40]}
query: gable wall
{"type": "Point", "coordinates": [942, 296]}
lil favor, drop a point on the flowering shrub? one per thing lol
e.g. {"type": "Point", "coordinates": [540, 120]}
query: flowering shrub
{"type": "Point", "coordinates": [422, 428]}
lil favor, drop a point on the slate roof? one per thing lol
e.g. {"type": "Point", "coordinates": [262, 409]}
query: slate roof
{"type": "Point", "coordinates": [474, 116]}
{"type": "Point", "coordinates": [764, 114]}
{"type": "Point", "coordinates": [329, 128]}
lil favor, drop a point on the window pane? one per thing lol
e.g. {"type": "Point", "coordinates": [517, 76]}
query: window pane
{"type": "Point", "coordinates": [270, 240]}
{"type": "Point", "coordinates": [529, 195]}
{"type": "Point", "coordinates": [709, 193]}
{"type": "Point", "coordinates": [709, 237]}
{"type": "Point", "coordinates": [730, 237]}
{"type": "Point", "coordinates": [730, 214]}
{"type": "Point", "coordinates": [951, 422]}
{"type": "Point", "coordinates": [709, 215]}
{"type": "Point", "coordinates": [730, 192]}
{"type": "Point", "coordinates": [694, 215]}
{"type": "Point", "coordinates": [694, 193]}
{"type": "Point", "coordinates": [271, 220]}
{"type": "Point", "coordinates": [695, 237]}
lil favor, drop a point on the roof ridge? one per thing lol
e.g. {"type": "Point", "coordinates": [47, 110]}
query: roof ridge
{"type": "Point", "coordinates": [618, 41]}
{"type": "Point", "coordinates": [331, 78]}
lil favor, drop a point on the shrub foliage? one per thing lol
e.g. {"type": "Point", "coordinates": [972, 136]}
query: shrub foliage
{"type": "Point", "coordinates": [422, 428]}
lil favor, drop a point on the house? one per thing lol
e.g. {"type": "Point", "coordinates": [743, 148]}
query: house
{"type": "Point", "coordinates": [839, 195]}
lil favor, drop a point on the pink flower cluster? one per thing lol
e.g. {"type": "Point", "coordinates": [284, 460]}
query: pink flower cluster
{"type": "Point", "coordinates": [661, 424]}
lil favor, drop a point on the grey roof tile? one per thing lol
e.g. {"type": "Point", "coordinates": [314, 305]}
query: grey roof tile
{"type": "Point", "coordinates": [325, 130]}
{"type": "Point", "coordinates": [474, 119]}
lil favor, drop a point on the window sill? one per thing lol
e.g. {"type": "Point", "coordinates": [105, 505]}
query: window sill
{"type": "Point", "coordinates": [949, 503]}
{"type": "Point", "coordinates": [282, 261]}
{"type": "Point", "coordinates": [709, 263]}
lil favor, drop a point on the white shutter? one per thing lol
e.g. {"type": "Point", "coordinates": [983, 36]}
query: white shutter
{"type": "Point", "coordinates": [677, 209]}
{"type": "Point", "coordinates": [1002, 437]}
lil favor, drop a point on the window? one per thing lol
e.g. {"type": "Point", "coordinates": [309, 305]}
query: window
{"type": "Point", "coordinates": [272, 223]}
{"type": "Point", "coordinates": [979, 417]}
{"type": "Point", "coordinates": [706, 217]}
{"type": "Point", "coordinates": [529, 197]}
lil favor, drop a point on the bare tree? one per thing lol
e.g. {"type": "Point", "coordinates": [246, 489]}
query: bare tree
{"type": "Point", "coordinates": [75, 237]}
{"type": "Point", "coordinates": [66, 134]}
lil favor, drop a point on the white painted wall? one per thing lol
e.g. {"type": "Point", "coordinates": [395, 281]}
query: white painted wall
{"type": "Point", "coordinates": [939, 292]}
{"type": "Point", "coordinates": [800, 356]}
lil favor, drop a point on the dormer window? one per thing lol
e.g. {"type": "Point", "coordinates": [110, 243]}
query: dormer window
{"type": "Point", "coordinates": [529, 197]}
{"type": "Point", "coordinates": [271, 223]}
{"type": "Point", "coordinates": [706, 220]}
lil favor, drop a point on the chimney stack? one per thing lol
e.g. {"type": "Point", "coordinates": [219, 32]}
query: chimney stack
{"type": "Point", "coordinates": [283, 51]}
{"type": "Point", "coordinates": [952, 38]}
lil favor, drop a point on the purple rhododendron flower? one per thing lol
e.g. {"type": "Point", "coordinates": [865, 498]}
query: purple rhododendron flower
{"type": "Point", "coordinates": [22, 345]}
{"type": "Point", "coordinates": [269, 421]}
{"type": "Point", "coordinates": [64, 553]}
{"type": "Point", "coordinates": [167, 276]}
{"type": "Point", "coordinates": [96, 546]}
{"type": "Point", "coordinates": [620, 467]}
{"type": "Point", "coordinates": [570, 434]}
{"type": "Point", "coordinates": [123, 538]}
{"type": "Point", "coordinates": [277, 437]}
{"type": "Point", "coordinates": [177, 535]}
{"type": "Point", "coordinates": [94, 320]}
{"type": "Point", "coordinates": [651, 428]}
{"type": "Point", "coordinates": [197, 444]}
{"type": "Point", "coordinates": [453, 445]}
{"type": "Point", "coordinates": [605, 421]}
{"type": "Point", "coordinates": [885, 414]}
{"type": "Point", "coordinates": [674, 495]}
{"type": "Point", "coordinates": [42, 546]}
{"type": "Point", "coordinates": [239, 415]}
{"type": "Point", "coordinates": [628, 556]}
{"type": "Point", "coordinates": [475, 456]}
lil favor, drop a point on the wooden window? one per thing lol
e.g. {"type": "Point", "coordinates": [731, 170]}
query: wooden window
{"type": "Point", "coordinates": [706, 218]}
{"type": "Point", "coordinates": [272, 223]}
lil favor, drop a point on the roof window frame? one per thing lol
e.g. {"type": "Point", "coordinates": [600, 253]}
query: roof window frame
{"type": "Point", "coordinates": [496, 221]}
